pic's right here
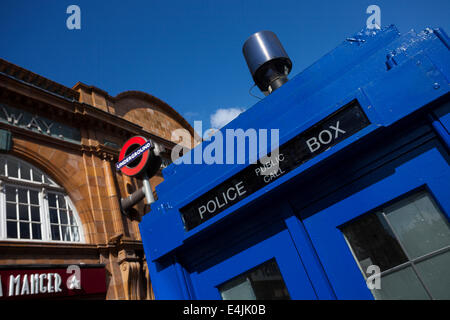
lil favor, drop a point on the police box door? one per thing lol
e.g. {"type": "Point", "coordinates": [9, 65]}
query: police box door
{"type": "Point", "coordinates": [389, 238]}
{"type": "Point", "coordinates": [264, 264]}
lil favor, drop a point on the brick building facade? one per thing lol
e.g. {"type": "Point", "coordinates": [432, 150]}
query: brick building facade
{"type": "Point", "coordinates": [60, 193]}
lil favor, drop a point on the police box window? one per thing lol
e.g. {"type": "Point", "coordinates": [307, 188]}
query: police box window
{"type": "Point", "coordinates": [260, 283]}
{"type": "Point", "coordinates": [410, 242]}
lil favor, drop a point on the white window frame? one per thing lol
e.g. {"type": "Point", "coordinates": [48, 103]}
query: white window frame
{"type": "Point", "coordinates": [42, 188]}
{"type": "Point", "coordinates": [410, 261]}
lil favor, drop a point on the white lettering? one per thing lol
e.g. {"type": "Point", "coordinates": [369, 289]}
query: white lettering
{"type": "Point", "coordinates": [25, 286]}
{"type": "Point", "coordinates": [201, 211]}
{"type": "Point", "coordinates": [313, 145]}
{"type": "Point", "coordinates": [330, 137]}
{"type": "Point", "coordinates": [373, 21]}
{"type": "Point", "coordinates": [272, 176]}
{"type": "Point", "coordinates": [57, 282]}
{"type": "Point", "coordinates": [34, 124]}
{"type": "Point", "coordinates": [228, 194]}
{"type": "Point", "coordinates": [213, 152]}
{"type": "Point", "coordinates": [374, 280]}
{"type": "Point", "coordinates": [214, 206]}
{"type": "Point", "coordinates": [34, 282]}
{"type": "Point", "coordinates": [324, 137]}
{"type": "Point", "coordinates": [198, 127]}
{"type": "Point", "coordinates": [180, 152]}
{"type": "Point", "coordinates": [74, 20]}
{"type": "Point", "coordinates": [49, 282]}
{"type": "Point", "coordinates": [219, 204]}
{"type": "Point", "coordinates": [12, 117]}
{"type": "Point", "coordinates": [48, 126]}
{"type": "Point", "coordinates": [240, 187]}
{"type": "Point", "coordinates": [14, 285]}
{"type": "Point", "coordinates": [337, 130]}
{"type": "Point", "coordinates": [74, 281]}
{"type": "Point", "coordinates": [241, 136]}
{"type": "Point", "coordinates": [42, 288]}
{"type": "Point", "coordinates": [193, 310]}
{"type": "Point", "coordinates": [270, 165]}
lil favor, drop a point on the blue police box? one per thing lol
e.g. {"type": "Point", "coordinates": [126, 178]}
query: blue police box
{"type": "Point", "coordinates": [359, 205]}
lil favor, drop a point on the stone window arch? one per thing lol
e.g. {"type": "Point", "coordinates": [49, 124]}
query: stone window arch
{"type": "Point", "coordinates": [33, 207]}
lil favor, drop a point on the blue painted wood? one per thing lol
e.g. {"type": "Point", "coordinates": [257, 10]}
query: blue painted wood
{"type": "Point", "coordinates": [286, 256]}
{"type": "Point", "coordinates": [296, 218]}
{"type": "Point", "coordinates": [310, 260]}
{"type": "Point", "coordinates": [429, 170]}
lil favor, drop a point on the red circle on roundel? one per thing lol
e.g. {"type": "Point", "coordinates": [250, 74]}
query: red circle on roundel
{"type": "Point", "coordinates": [137, 140]}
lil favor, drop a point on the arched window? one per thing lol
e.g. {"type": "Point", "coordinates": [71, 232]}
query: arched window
{"type": "Point", "coordinates": [33, 207]}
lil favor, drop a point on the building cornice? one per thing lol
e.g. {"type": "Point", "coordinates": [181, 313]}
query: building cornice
{"type": "Point", "coordinates": [80, 113]}
{"type": "Point", "coordinates": [33, 79]}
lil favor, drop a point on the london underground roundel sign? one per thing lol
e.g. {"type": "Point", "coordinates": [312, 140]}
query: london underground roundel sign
{"type": "Point", "coordinates": [134, 156]}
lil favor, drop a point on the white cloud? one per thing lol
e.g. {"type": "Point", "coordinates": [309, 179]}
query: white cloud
{"type": "Point", "coordinates": [222, 116]}
{"type": "Point", "coordinates": [191, 115]}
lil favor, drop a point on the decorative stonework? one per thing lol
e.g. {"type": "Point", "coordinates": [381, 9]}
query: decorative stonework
{"type": "Point", "coordinates": [132, 275]}
{"type": "Point", "coordinates": [85, 171]}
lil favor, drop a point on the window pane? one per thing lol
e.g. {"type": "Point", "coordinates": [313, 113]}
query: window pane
{"type": "Point", "coordinates": [46, 180]}
{"type": "Point", "coordinates": [419, 224]}
{"type": "Point", "coordinates": [37, 176]}
{"type": "Point", "coordinates": [10, 194]}
{"type": "Point", "coordinates": [63, 217]}
{"type": "Point", "coordinates": [22, 195]}
{"type": "Point", "coordinates": [65, 233]}
{"type": "Point", "coordinates": [36, 230]}
{"type": "Point", "coordinates": [61, 202]}
{"type": "Point", "coordinates": [24, 230]}
{"type": "Point", "coordinates": [12, 169]}
{"type": "Point", "coordinates": [238, 289]}
{"type": "Point", "coordinates": [35, 214]}
{"type": "Point", "coordinates": [11, 211]}
{"type": "Point", "coordinates": [25, 172]}
{"type": "Point", "coordinates": [53, 216]}
{"type": "Point", "coordinates": [435, 274]}
{"type": "Point", "coordinates": [34, 197]}
{"type": "Point", "coordinates": [51, 200]}
{"type": "Point", "coordinates": [400, 285]}
{"type": "Point", "coordinates": [55, 232]}
{"type": "Point", "coordinates": [2, 167]}
{"type": "Point", "coordinates": [11, 229]}
{"type": "Point", "coordinates": [72, 218]}
{"type": "Point", "coordinates": [23, 212]}
{"type": "Point", "coordinates": [373, 243]}
{"type": "Point", "coordinates": [265, 280]}
{"type": "Point", "coordinates": [75, 235]}
{"type": "Point", "coordinates": [23, 205]}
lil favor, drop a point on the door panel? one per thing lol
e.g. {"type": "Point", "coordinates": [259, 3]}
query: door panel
{"type": "Point", "coordinates": [428, 171]}
{"type": "Point", "coordinates": [279, 247]}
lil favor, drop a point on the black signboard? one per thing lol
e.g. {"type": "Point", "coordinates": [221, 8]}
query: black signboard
{"type": "Point", "coordinates": [305, 146]}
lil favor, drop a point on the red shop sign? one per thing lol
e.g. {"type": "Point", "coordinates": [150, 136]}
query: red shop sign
{"type": "Point", "coordinates": [51, 281]}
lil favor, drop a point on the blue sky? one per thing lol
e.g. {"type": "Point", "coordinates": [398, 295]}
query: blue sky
{"type": "Point", "coordinates": [187, 53]}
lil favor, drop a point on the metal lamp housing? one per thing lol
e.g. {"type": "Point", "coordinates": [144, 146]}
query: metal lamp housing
{"type": "Point", "coordinates": [268, 62]}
